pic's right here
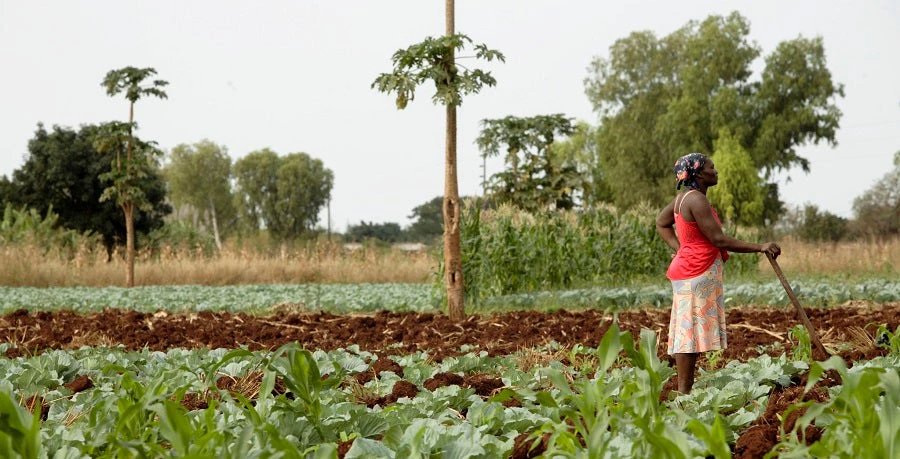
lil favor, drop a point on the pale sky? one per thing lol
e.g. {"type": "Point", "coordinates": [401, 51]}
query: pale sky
{"type": "Point", "coordinates": [295, 76]}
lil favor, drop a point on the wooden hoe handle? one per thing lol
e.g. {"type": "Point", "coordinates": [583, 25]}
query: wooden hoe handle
{"type": "Point", "coordinates": [814, 337]}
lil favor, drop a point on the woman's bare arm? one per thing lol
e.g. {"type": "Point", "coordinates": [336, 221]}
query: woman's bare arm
{"type": "Point", "coordinates": [701, 211]}
{"type": "Point", "coordinates": [665, 226]}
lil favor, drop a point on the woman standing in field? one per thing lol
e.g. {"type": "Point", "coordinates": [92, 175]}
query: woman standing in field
{"type": "Point", "coordinates": [691, 227]}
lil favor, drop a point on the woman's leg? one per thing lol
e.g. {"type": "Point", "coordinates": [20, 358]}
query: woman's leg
{"type": "Point", "coordinates": [684, 371]}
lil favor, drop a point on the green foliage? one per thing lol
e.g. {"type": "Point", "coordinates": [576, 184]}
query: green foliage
{"type": "Point", "coordinates": [133, 162]}
{"type": "Point", "coordinates": [609, 408]}
{"type": "Point", "coordinates": [385, 232]}
{"type": "Point", "coordinates": [660, 98]}
{"type": "Point", "coordinates": [282, 194]}
{"type": "Point", "coordinates": [26, 227]}
{"type": "Point", "coordinates": [180, 236]}
{"type": "Point", "coordinates": [428, 224]}
{"type": "Point", "coordinates": [20, 431]}
{"type": "Point", "coordinates": [433, 60]}
{"type": "Point", "coordinates": [877, 210]}
{"type": "Point", "coordinates": [802, 342]}
{"type": "Point", "coordinates": [62, 170]}
{"type": "Point", "coordinates": [507, 251]}
{"type": "Point", "coordinates": [346, 298]}
{"type": "Point", "coordinates": [888, 340]}
{"type": "Point", "coordinates": [862, 419]}
{"type": "Point", "coordinates": [337, 298]}
{"type": "Point", "coordinates": [129, 80]}
{"type": "Point", "coordinates": [739, 193]}
{"type": "Point", "coordinates": [199, 177]}
{"type": "Point", "coordinates": [580, 150]}
{"type": "Point", "coordinates": [535, 178]}
{"type": "Point", "coordinates": [821, 225]}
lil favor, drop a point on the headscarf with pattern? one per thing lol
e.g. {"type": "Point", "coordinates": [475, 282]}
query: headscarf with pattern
{"type": "Point", "coordinates": [687, 168]}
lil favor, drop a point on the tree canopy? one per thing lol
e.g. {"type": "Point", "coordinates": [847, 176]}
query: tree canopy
{"type": "Point", "coordinates": [536, 176]}
{"type": "Point", "coordinates": [199, 178]}
{"type": "Point", "coordinates": [62, 169]}
{"type": "Point", "coordinates": [387, 232]}
{"type": "Point", "coordinates": [428, 224]}
{"type": "Point", "coordinates": [739, 194]}
{"type": "Point", "coordinates": [281, 194]}
{"type": "Point", "coordinates": [660, 98]}
{"type": "Point", "coordinates": [878, 208]}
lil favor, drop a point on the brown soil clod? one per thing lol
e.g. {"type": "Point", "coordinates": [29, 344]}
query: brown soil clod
{"type": "Point", "coordinates": [528, 448]}
{"type": "Point", "coordinates": [443, 379]}
{"type": "Point", "coordinates": [79, 384]}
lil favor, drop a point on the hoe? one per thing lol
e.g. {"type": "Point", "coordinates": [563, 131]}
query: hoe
{"type": "Point", "coordinates": [813, 336]}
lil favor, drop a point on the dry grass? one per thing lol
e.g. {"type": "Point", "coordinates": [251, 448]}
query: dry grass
{"type": "Point", "coordinates": [325, 263]}
{"type": "Point", "coordinates": [328, 262]}
{"type": "Point", "coordinates": [856, 258]}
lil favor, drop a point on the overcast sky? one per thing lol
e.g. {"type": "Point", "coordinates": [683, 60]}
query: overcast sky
{"type": "Point", "coordinates": [295, 76]}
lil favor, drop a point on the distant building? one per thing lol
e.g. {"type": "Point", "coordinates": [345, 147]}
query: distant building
{"type": "Point", "coordinates": [410, 246]}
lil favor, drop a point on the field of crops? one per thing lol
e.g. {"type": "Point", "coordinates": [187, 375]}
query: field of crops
{"type": "Point", "coordinates": [328, 371]}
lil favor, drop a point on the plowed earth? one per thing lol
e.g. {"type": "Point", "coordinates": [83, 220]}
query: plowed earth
{"type": "Point", "coordinates": [751, 332]}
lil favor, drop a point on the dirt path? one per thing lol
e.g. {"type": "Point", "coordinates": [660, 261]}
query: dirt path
{"type": "Point", "coordinates": [750, 329]}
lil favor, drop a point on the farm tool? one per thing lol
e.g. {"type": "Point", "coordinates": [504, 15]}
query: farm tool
{"type": "Point", "coordinates": [813, 336]}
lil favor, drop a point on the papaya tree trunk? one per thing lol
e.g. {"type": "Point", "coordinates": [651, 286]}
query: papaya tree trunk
{"type": "Point", "coordinates": [128, 207]}
{"type": "Point", "coordinates": [452, 250]}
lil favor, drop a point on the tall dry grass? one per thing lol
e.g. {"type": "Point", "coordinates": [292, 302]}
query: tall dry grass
{"type": "Point", "coordinates": [325, 263]}
{"type": "Point", "coordinates": [838, 258]}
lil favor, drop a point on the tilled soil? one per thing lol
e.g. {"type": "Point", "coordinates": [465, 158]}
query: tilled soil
{"type": "Point", "coordinates": [751, 332]}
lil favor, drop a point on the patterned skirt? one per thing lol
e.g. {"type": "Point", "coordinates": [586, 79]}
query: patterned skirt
{"type": "Point", "coordinates": [698, 313]}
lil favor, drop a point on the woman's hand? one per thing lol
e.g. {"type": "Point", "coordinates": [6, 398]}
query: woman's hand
{"type": "Point", "coordinates": [771, 248]}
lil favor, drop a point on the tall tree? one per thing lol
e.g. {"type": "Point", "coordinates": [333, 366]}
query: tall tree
{"type": "Point", "coordinates": [199, 177]}
{"type": "Point", "coordinates": [303, 189]}
{"type": "Point", "coordinates": [127, 168]}
{"type": "Point", "coordinates": [385, 232]}
{"type": "Point", "coordinates": [537, 177]}
{"type": "Point", "coordinates": [282, 194]}
{"type": "Point", "coordinates": [62, 169]}
{"type": "Point", "coordinates": [661, 98]}
{"type": "Point", "coordinates": [739, 194]}
{"type": "Point", "coordinates": [581, 152]}
{"type": "Point", "coordinates": [434, 60]}
{"type": "Point", "coordinates": [255, 177]}
{"type": "Point", "coordinates": [429, 221]}
{"type": "Point", "coordinates": [877, 210]}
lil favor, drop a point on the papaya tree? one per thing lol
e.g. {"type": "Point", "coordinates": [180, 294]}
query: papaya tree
{"type": "Point", "coordinates": [434, 60]}
{"type": "Point", "coordinates": [130, 156]}
{"type": "Point", "coordinates": [536, 177]}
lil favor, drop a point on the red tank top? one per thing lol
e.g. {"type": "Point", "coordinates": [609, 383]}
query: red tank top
{"type": "Point", "coordinates": [695, 253]}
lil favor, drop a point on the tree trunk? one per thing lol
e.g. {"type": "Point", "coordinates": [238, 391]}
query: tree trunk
{"type": "Point", "coordinates": [215, 224]}
{"type": "Point", "coordinates": [128, 207]}
{"type": "Point", "coordinates": [452, 252]}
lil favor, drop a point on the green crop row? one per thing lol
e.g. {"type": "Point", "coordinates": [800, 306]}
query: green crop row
{"type": "Point", "coordinates": [604, 402]}
{"type": "Point", "coordinates": [340, 298]}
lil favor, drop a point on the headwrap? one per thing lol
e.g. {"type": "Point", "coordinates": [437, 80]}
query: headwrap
{"type": "Point", "coordinates": [687, 168]}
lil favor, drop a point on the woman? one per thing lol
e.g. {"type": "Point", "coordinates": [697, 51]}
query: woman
{"type": "Point", "coordinates": [691, 227]}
